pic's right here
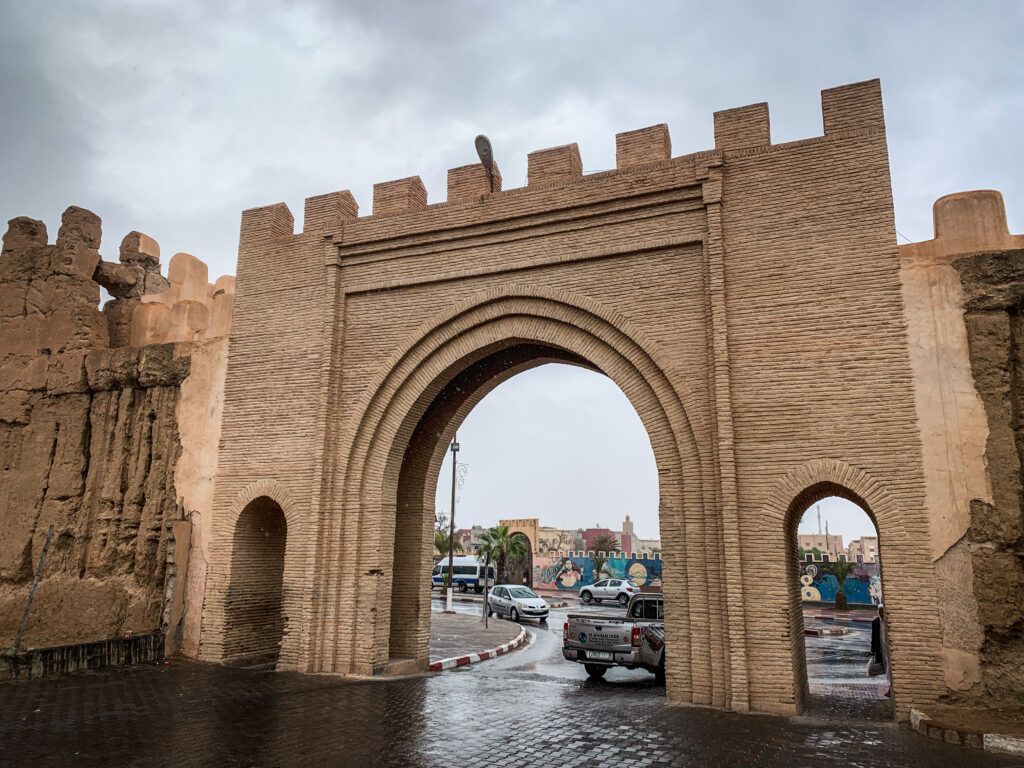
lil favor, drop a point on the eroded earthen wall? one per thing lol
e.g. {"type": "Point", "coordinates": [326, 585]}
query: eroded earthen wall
{"type": "Point", "coordinates": [962, 294]}
{"type": "Point", "coordinates": [89, 436]}
{"type": "Point", "coordinates": [994, 316]}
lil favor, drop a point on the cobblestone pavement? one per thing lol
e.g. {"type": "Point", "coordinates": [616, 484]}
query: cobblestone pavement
{"type": "Point", "coordinates": [524, 709]}
{"type": "Point", "coordinates": [463, 633]}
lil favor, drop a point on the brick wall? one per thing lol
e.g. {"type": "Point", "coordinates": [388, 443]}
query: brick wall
{"type": "Point", "coordinates": [746, 300]}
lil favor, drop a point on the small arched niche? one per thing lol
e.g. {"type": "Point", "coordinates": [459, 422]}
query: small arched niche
{"type": "Point", "coordinates": [254, 618]}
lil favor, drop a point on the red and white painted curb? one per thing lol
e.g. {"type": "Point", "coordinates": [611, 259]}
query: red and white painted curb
{"type": "Point", "coordinates": [472, 658]}
{"type": "Point", "coordinates": [456, 599]}
{"type": "Point", "coordinates": [826, 631]}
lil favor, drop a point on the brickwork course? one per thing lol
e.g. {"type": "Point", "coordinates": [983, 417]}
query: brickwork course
{"type": "Point", "coordinates": [751, 302]}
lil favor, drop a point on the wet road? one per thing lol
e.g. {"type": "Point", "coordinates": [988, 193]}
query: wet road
{"type": "Point", "coordinates": [528, 708]}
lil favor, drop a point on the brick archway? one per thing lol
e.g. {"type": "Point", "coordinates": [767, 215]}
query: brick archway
{"type": "Point", "coordinates": [255, 621]}
{"type": "Point", "coordinates": [910, 596]}
{"type": "Point", "coordinates": [695, 283]}
{"type": "Point", "coordinates": [521, 571]}
{"type": "Point", "coordinates": [217, 638]}
{"type": "Point", "coordinates": [434, 385]}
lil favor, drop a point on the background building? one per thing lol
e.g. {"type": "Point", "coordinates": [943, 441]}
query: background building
{"type": "Point", "coordinates": [823, 542]}
{"type": "Point", "coordinates": [865, 547]}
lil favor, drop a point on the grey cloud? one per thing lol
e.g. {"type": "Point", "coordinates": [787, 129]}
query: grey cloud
{"type": "Point", "coordinates": [171, 117]}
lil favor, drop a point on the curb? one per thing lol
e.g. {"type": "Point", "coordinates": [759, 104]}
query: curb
{"type": "Point", "coordinates": [459, 599]}
{"type": "Point", "coordinates": [827, 631]}
{"type": "Point", "coordinates": [966, 737]}
{"type": "Point", "coordinates": [472, 658]}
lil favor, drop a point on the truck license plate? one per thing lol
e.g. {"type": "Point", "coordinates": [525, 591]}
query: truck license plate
{"type": "Point", "coordinates": [602, 655]}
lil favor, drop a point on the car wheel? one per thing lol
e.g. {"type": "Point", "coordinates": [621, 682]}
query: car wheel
{"type": "Point", "coordinates": [489, 612]}
{"type": "Point", "coordinates": [478, 589]}
{"type": "Point", "coordinates": [513, 615]}
{"type": "Point", "coordinates": [623, 599]}
{"type": "Point", "coordinates": [462, 586]}
{"type": "Point", "coordinates": [659, 673]}
{"type": "Point", "coordinates": [595, 670]}
{"type": "Point", "coordinates": [586, 597]}
{"type": "Point", "coordinates": [544, 620]}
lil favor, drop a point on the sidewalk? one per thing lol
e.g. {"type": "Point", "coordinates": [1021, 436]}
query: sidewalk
{"type": "Point", "coordinates": [458, 634]}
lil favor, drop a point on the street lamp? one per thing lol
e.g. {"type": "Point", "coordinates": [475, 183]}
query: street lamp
{"type": "Point", "coordinates": [451, 530]}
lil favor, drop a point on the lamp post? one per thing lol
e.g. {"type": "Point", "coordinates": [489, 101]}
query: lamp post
{"type": "Point", "coordinates": [486, 155]}
{"type": "Point", "coordinates": [451, 531]}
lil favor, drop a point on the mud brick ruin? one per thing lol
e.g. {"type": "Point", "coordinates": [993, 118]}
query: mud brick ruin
{"type": "Point", "coordinates": [255, 471]}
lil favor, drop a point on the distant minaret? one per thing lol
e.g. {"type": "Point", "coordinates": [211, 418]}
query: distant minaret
{"type": "Point", "coordinates": [818, 507]}
{"type": "Point", "coordinates": [627, 536]}
{"type": "Point", "coordinates": [826, 537]}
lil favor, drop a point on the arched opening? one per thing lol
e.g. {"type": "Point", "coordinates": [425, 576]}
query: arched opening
{"type": "Point", "coordinates": [254, 619]}
{"type": "Point", "coordinates": [834, 565]}
{"type": "Point", "coordinates": [418, 481]}
{"type": "Point", "coordinates": [520, 570]}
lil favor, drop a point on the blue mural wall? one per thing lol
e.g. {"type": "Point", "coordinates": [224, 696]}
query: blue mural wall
{"type": "Point", "coordinates": [818, 583]}
{"type": "Point", "coordinates": [572, 570]}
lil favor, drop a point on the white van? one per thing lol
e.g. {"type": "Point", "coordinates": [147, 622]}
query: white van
{"type": "Point", "coordinates": [467, 572]}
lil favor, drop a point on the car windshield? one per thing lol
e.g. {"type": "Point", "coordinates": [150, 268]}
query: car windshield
{"type": "Point", "coordinates": [522, 592]}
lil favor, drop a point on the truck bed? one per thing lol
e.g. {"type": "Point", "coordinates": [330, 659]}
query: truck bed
{"type": "Point", "coordinates": [593, 633]}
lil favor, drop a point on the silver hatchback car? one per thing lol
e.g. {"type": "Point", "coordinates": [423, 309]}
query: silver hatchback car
{"type": "Point", "coordinates": [610, 589]}
{"type": "Point", "coordinates": [517, 603]}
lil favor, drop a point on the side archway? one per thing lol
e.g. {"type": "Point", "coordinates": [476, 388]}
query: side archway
{"type": "Point", "coordinates": [253, 611]}
{"type": "Point", "coordinates": [910, 594]}
{"type": "Point", "coordinates": [254, 623]}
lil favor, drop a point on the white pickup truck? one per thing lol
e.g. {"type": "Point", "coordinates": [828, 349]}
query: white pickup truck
{"type": "Point", "coordinates": [636, 640]}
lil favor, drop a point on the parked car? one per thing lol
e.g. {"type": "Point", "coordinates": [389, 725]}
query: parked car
{"type": "Point", "coordinates": [610, 589]}
{"type": "Point", "coordinates": [636, 640]}
{"type": "Point", "coordinates": [517, 603]}
{"type": "Point", "coordinates": [467, 572]}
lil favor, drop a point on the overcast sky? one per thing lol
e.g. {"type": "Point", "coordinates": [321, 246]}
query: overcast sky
{"type": "Point", "coordinates": [171, 117]}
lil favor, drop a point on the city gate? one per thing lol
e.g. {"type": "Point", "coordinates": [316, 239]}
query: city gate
{"type": "Point", "coordinates": [746, 299]}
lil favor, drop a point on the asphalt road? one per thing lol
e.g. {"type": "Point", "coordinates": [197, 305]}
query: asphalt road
{"type": "Point", "coordinates": [529, 708]}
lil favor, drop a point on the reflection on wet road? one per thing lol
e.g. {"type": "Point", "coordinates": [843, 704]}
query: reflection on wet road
{"type": "Point", "coordinates": [529, 708]}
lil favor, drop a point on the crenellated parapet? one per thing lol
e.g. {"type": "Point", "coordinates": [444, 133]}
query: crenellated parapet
{"type": "Point", "coordinates": [846, 110]}
{"type": "Point", "coordinates": [607, 555]}
{"type": "Point", "coordinates": [191, 309]}
{"type": "Point", "coordinates": [50, 320]}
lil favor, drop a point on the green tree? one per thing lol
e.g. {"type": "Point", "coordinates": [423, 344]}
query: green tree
{"type": "Point", "coordinates": [601, 546]}
{"type": "Point", "coordinates": [502, 548]}
{"type": "Point", "coordinates": [441, 543]}
{"type": "Point", "coordinates": [804, 552]}
{"type": "Point", "coordinates": [841, 570]}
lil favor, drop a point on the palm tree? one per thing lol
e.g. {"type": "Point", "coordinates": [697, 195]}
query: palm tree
{"type": "Point", "coordinates": [501, 547]}
{"type": "Point", "coordinates": [441, 543]}
{"type": "Point", "coordinates": [601, 546]}
{"type": "Point", "coordinates": [604, 543]}
{"type": "Point", "coordinates": [841, 570]}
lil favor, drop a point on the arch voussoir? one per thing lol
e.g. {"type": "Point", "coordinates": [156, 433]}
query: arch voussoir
{"type": "Point", "coordinates": [403, 390]}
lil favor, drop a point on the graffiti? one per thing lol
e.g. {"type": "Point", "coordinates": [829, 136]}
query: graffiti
{"type": "Point", "coordinates": [818, 585]}
{"type": "Point", "coordinates": [572, 571]}
{"type": "Point", "coordinates": [565, 541]}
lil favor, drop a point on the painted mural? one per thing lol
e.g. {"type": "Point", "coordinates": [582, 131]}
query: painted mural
{"type": "Point", "coordinates": [572, 570]}
{"type": "Point", "coordinates": [819, 585]}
